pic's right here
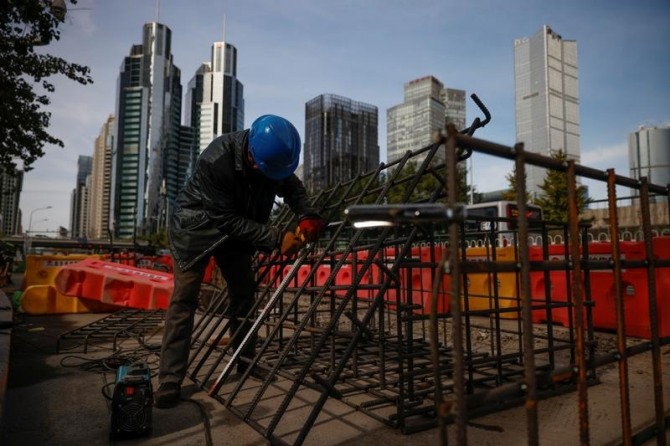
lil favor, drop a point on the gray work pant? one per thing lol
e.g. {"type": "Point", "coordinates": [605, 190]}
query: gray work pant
{"type": "Point", "coordinates": [235, 266]}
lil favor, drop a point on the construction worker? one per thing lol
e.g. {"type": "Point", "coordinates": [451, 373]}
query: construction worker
{"type": "Point", "coordinates": [223, 211]}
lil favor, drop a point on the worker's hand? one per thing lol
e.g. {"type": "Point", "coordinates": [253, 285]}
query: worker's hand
{"type": "Point", "coordinates": [291, 243]}
{"type": "Point", "coordinates": [311, 226]}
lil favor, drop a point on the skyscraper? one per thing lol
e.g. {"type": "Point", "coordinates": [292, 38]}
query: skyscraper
{"type": "Point", "coordinates": [101, 181]}
{"type": "Point", "coordinates": [547, 98]}
{"type": "Point", "coordinates": [10, 193]}
{"type": "Point", "coordinates": [147, 131]}
{"type": "Point", "coordinates": [427, 107]}
{"type": "Point", "coordinates": [215, 97]}
{"type": "Point", "coordinates": [80, 195]}
{"type": "Point", "coordinates": [341, 140]}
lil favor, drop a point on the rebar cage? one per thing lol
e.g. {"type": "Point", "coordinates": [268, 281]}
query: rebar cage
{"type": "Point", "coordinates": [416, 326]}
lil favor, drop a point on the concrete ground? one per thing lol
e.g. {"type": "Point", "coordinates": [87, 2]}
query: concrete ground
{"type": "Point", "coordinates": [57, 399]}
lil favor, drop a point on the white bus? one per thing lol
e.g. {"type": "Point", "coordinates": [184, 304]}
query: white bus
{"type": "Point", "coordinates": [496, 223]}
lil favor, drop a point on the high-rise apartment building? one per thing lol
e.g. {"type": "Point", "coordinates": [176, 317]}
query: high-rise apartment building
{"type": "Point", "coordinates": [341, 140]}
{"type": "Point", "coordinates": [147, 132]}
{"type": "Point", "coordinates": [427, 108]}
{"type": "Point", "coordinates": [79, 204]}
{"type": "Point", "coordinates": [547, 98]}
{"type": "Point", "coordinates": [649, 155]}
{"type": "Point", "coordinates": [215, 97]}
{"type": "Point", "coordinates": [10, 193]}
{"type": "Point", "coordinates": [101, 181]}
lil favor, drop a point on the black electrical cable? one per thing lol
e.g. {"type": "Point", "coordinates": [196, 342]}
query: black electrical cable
{"type": "Point", "coordinates": [205, 419]}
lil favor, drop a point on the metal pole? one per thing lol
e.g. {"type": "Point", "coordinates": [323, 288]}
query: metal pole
{"type": "Point", "coordinates": [26, 243]}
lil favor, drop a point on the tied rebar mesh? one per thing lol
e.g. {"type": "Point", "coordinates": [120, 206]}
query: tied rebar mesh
{"type": "Point", "coordinates": [348, 322]}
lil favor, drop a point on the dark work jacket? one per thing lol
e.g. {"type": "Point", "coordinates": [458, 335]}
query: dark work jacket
{"type": "Point", "coordinates": [226, 202]}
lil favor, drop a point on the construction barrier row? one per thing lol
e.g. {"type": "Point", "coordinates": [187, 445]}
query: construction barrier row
{"type": "Point", "coordinates": [58, 283]}
{"type": "Point", "coordinates": [84, 283]}
{"type": "Point", "coordinates": [499, 293]}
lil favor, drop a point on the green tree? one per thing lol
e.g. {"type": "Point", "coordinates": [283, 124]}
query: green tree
{"type": "Point", "coordinates": [554, 196]}
{"type": "Point", "coordinates": [24, 25]}
{"type": "Point", "coordinates": [157, 239]}
{"type": "Point", "coordinates": [433, 179]}
{"type": "Point", "coordinates": [510, 194]}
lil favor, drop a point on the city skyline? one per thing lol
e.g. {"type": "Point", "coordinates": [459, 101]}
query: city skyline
{"type": "Point", "coordinates": [292, 52]}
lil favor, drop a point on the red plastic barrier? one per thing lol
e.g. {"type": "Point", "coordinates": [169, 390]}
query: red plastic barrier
{"type": "Point", "coordinates": [116, 284]}
{"type": "Point", "coordinates": [635, 288]}
{"type": "Point", "coordinates": [159, 263]}
{"type": "Point", "coordinates": [415, 290]}
{"type": "Point", "coordinates": [416, 281]}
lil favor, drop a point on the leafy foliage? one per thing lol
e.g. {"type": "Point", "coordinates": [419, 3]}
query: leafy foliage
{"type": "Point", "coordinates": [510, 194]}
{"type": "Point", "coordinates": [158, 239]}
{"type": "Point", "coordinates": [24, 25]}
{"type": "Point", "coordinates": [554, 196]}
{"type": "Point", "coordinates": [433, 179]}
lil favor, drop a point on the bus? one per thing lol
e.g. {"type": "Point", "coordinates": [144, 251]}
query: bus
{"type": "Point", "coordinates": [496, 223]}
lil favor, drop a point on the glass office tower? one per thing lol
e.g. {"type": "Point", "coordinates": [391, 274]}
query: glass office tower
{"type": "Point", "coordinates": [546, 98]}
{"type": "Point", "coordinates": [341, 140]}
{"type": "Point", "coordinates": [79, 206]}
{"type": "Point", "coordinates": [148, 115]}
{"type": "Point", "coordinates": [215, 97]}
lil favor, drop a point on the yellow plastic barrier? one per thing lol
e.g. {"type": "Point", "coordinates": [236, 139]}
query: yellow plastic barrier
{"type": "Point", "coordinates": [45, 299]}
{"type": "Point", "coordinates": [42, 269]}
{"type": "Point", "coordinates": [483, 291]}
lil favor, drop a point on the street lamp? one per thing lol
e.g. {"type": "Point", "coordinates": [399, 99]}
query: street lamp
{"type": "Point", "coordinates": [26, 243]}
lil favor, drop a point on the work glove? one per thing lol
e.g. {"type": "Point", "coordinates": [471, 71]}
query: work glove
{"type": "Point", "coordinates": [311, 226]}
{"type": "Point", "coordinates": [291, 242]}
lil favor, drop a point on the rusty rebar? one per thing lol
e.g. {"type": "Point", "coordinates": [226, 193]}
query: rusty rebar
{"type": "Point", "coordinates": [526, 305]}
{"type": "Point", "coordinates": [653, 313]}
{"type": "Point", "coordinates": [578, 300]}
{"type": "Point", "coordinates": [626, 432]}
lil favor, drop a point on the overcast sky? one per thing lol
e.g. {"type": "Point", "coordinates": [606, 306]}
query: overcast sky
{"type": "Point", "coordinates": [290, 51]}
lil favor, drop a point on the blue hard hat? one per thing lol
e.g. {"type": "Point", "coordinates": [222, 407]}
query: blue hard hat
{"type": "Point", "coordinates": [275, 146]}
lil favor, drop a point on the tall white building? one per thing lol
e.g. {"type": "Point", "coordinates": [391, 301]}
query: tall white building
{"type": "Point", "coordinates": [649, 155]}
{"type": "Point", "coordinates": [546, 98]}
{"type": "Point", "coordinates": [215, 97]}
{"type": "Point", "coordinates": [101, 181]}
{"type": "Point", "coordinates": [427, 107]}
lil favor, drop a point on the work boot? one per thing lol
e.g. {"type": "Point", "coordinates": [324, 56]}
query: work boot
{"type": "Point", "coordinates": [167, 395]}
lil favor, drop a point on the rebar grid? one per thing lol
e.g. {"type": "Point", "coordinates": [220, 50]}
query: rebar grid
{"type": "Point", "coordinates": [118, 326]}
{"type": "Point", "coordinates": [374, 317]}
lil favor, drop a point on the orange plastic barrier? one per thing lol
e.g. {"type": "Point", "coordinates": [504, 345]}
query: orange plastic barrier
{"type": "Point", "coordinates": [116, 284]}
{"type": "Point", "coordinates": [635, 289]}
{"type": "Point", "coordinates": [42, 269]}
{"type": "Point", "coordinates": [45, 299]}
{"type": "Point", "coordinates": [416, 276]}
{"type": "Point", "coordinates": [159, 263]}
{"type": "Point", "coordinates": [483, 294]}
